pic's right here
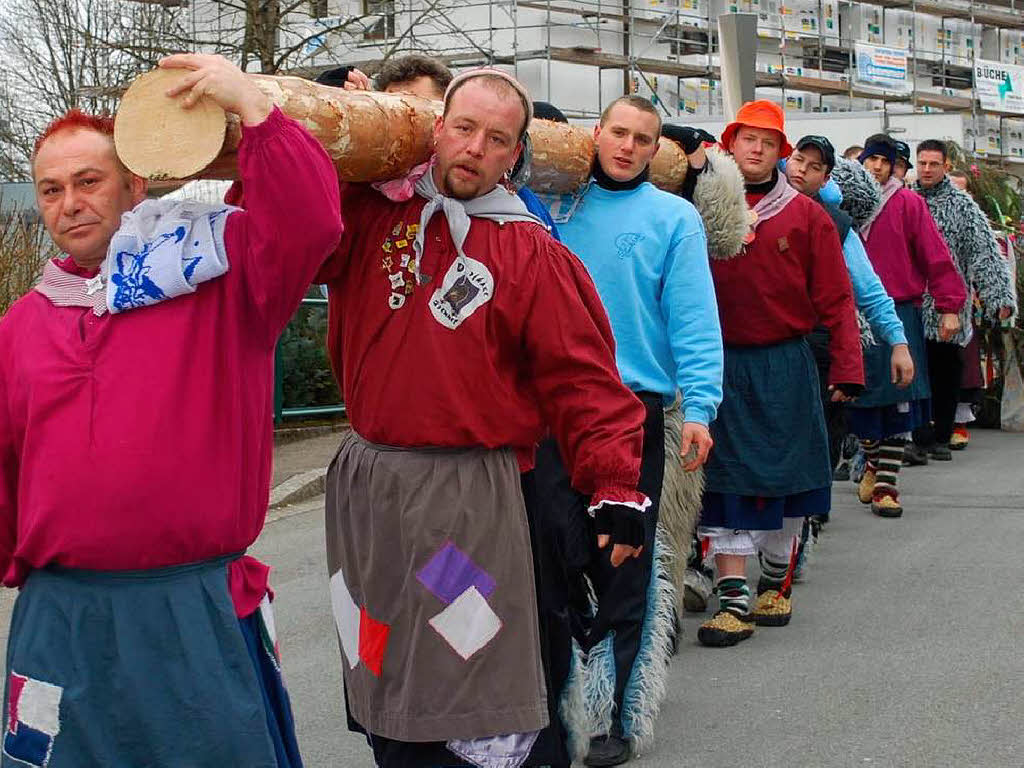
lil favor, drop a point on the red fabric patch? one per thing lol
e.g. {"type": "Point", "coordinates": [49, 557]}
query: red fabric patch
{"type": "Point", "coordinates": [373, 639]}
{"type": "Point", "coordinates": [17, 682]}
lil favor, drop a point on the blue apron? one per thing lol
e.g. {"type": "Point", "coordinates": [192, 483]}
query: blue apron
{"type": "Point", "coordinates": [124, 669]}
{"type": "Point", "coordinates": [770, 438]}
{"type": "Point", "coordinates": [879, 391]}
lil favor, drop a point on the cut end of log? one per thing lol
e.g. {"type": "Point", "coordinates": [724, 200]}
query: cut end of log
{"type": "Point", "coordinates": [157, 138]}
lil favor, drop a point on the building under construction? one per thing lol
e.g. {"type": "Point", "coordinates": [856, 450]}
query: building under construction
{"type": "Point", "coordinates": [580, 54]}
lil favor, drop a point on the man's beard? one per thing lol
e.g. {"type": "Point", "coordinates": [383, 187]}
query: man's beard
{"type": "Point", "coordinates": [460, 194]}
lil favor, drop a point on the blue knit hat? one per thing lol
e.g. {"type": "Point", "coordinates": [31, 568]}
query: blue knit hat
{"type": "Point", "coordinates": [879, 144]}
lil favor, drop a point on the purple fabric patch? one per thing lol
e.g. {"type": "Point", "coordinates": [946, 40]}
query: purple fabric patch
{"type": "Point", "coordinates": [451, 572]}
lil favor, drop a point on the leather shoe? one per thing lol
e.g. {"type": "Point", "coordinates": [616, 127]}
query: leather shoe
{"type": "Point", "coordinates": [607, 750]}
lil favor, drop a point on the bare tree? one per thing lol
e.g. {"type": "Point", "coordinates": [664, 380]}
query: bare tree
{"type": "Point", "coordinates": [57, 55]}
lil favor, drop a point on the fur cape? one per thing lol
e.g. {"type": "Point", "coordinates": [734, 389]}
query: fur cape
{"type": "Point", "coordinates": [720, 199]}
{"type": "Point", "coordinates": [861, 193]}
{"type": "Point", "coordinates": [975, 253]}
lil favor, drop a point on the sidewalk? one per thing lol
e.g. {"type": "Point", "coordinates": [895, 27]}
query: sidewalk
{"type": "Point", "coordinates": [300, 468]}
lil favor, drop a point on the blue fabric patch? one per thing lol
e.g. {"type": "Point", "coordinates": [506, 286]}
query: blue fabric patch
{"type": "Point", "coordinates": [28, 745]}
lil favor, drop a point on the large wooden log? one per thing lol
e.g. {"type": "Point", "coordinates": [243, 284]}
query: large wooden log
{"type": "Point", "coordinates": [370, 136]}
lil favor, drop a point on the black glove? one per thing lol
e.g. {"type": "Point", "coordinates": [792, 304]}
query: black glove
{"type": "Point", "coordinates": [335, 78]}
{"type": "Point", "coordinates": [690, 139]}
{"type": "Point", "coordinates": [625, 525]}
{"type": "Point", "coordinates": [850, 390]}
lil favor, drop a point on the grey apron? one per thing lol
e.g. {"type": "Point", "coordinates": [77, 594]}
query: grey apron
{"type": "Point", "coordinates": [433, 592]}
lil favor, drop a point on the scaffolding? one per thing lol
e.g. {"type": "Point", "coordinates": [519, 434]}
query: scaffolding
{"type": "Point", "coordinates": [668, 50]}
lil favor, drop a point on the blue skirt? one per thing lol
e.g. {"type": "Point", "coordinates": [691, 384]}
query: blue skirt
{"type": "Point", "coordinates": [753, 513]}
{"type": "Point", "coordinates": [879, 391]}
{"type": "Point", "coordinates": [770, 438]}
{"type": "Point", "coordinates": [142, 668]}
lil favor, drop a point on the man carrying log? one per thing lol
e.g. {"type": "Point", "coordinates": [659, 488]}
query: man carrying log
{"type": "Point", "coordinates": [135, 451]}
{"type": "Point", "coordinates": [647, 252]}
{"type": "Point", "coordinates": [770, 466]}
{"type": "Point", "coordinates": [460, 331]}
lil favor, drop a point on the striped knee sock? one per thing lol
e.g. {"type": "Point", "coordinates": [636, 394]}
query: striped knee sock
{"type": "Point", "coordinates": [890, 459]}
{"type": "Point", "coordinates": [733, 595]}
{"type": "Point", "coordinates": [773, 574]}
{"type": "Point", "coordinates": [871, 449]}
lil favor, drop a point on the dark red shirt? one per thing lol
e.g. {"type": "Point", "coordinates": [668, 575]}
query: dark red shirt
{"type": "Point", "coordinates": [534, 350]}
{"type": "Point", "coordinates": [791, 278]}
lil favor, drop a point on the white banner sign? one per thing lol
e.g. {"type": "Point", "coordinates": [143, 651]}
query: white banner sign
{"type": "Point", "coordinates": [881, 67]}
{"type": "Point", "coordinates": [1000, 86]}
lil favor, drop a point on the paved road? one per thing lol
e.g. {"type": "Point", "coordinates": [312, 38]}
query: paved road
{"type": "Point", "coordinates": [904, 649]}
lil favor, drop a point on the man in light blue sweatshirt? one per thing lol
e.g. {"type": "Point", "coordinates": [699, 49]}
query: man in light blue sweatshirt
{"type": "Point", "coordinates": [647, 253]}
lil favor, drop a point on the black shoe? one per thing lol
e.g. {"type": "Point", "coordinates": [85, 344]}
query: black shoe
{"type": "Point", "coordinates": [940, 453]}
{"type": "Point", "coordinates": [841, 472]}
{"type": "Point", "coordinates": [914, 456]}
{"type": "Point", "coordinates": [607, 750]}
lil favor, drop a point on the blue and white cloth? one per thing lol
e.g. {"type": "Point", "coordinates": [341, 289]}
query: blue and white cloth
{"type": "Point", "coordinates": [164, 249]}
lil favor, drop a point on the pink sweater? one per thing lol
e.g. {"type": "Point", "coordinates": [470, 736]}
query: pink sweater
{"type": "Point", "coordinates": [143, 439]}
{"type": "Point", "coordinates": [910, 256]}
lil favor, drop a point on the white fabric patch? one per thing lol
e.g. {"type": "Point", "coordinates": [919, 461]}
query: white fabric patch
{"type": "Point", "coordinates": [507, 751]}
{"type": "Point", "coordinates": [346, 617]}
{"type": "Point", "coordinates": [467, 285]}
{"type": "Point", "coordinates": [39, 706]}
{"type": "Point", "coordinates": [468, 624]}
{"type": "Point", "coordinates": [964, 413]}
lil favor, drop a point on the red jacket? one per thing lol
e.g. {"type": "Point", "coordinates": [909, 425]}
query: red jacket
{"type": "Point", "coordinates": [537, 353]}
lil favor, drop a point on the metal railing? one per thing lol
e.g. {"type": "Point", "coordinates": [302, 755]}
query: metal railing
{"type": "Point", "coordinates": [280, 412]}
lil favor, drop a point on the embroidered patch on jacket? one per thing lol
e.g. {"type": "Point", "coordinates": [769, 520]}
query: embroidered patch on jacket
{"type": "Point", "coordinates": [451, 572]}
{"type": "Point", "coordinates": [468, 624]}
{"type": "Point", "coordinates": [466, 287]}
{"type": "Point", "coordinates": [33, 719]}
{"type": "Point", "coordinates": [346, 617]}
{"type": "Point", "coordinates": [373, 640]}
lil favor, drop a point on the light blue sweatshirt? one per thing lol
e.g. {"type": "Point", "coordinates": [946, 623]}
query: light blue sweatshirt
{"type": "Point", "coordinates": [648, 256]}
{"type": "Point", "coordinates": [868, 291]}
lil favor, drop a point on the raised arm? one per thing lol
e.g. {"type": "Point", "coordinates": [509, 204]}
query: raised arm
{"type": "Point", "coordinates": [291, 217]}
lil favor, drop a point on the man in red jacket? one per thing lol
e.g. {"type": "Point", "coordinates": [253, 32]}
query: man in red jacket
{"type": "Point", "coordinates": [770, 467]}
{"type": "Point", "coordinates": [135, 447]}
{"type": "Point", "coordinates": [461, 332]}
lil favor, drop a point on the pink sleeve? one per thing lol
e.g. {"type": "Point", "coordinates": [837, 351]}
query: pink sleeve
{"type": "Point", "coordinates": [9, 467]}
{"type": "Point", "coordinates": [291, 217]}
{"type": "Point", "coordinates": [931, 254]}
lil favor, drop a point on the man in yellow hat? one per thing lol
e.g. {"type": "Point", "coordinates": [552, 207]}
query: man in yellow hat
{"type": "Point", "coordinates": [770, 466]}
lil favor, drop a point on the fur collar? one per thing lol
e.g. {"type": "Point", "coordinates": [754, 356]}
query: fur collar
{"type": "Point", "coordinates": [862, 195]}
